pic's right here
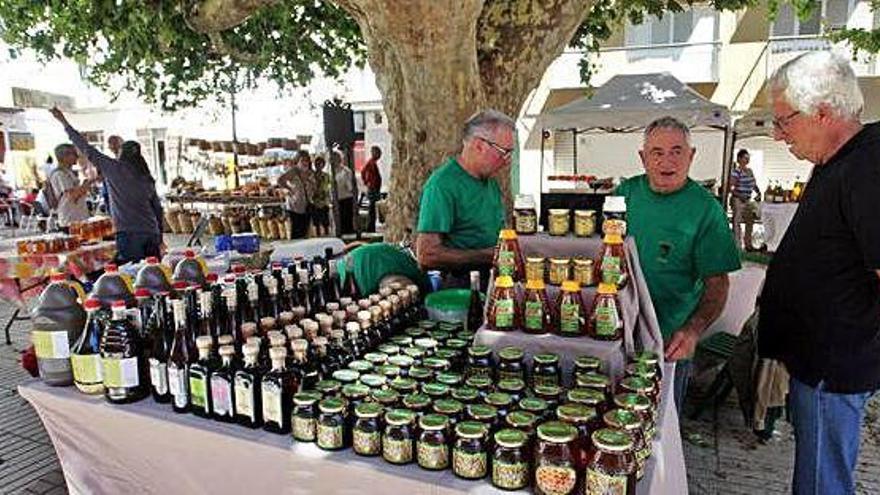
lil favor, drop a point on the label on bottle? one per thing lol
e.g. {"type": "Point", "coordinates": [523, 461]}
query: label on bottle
{"type": "Point", "coordinates": [329, 436]}
{"type": "Point", "coordinates": [87, 368]}
{"type": "Point", "coordinates": [221, 396]}
{"type": "Point", "coordinates": [534, 315]}
{"type": "Point", "coordinates": [611, 271]}
{"type": "Point", "coordinates": [120, 373]}
{"type": "Point", "coordinates": [599, 483]}
{"type": "Point", "coordinates": [244, 397]}
{"type": "Point", "coordinates": [51, 345]}
{"type": "Point", "coordinates": [569, 318]}
{"type": "Point", "coordinates": [556, 480]}
{"type": "Point", "coordinates": [271, 403]}
{"type": "Point", "coordinates": [159, 376]}
{"type": "Point", "coordinates": [504, 313]}
{"type": "Point", "coordinates": [506, 262]}
{"type": "Point", "coordinates": [198, 389]}
{"type": "Point", "coordinates": [177, 385]}
{"type": "Point", "coordinates": [606, 321]}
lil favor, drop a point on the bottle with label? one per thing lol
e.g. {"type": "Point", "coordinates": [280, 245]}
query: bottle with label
{"type": "Point", "coordinates": [611, 267]}
{"type": "Point", "coordinates": [317, 299]}
{"type": "Point", "coordinates": [85, 355]}
{"type": "Point", "coordinates": [231, 326]}
{"type": "Point", "coordinates": [306, 371]}
{"type": "Point", "coordinates": [179, 361]}
{"type": "Point", "coordinates": [199, 379]}
{"type": "Point", "coordinates": [125, 370]}
{"type": "Point", "coordinates": [290, 296]}
{"type": "Point", "coordinates": [153, 276]}
{"type": "Point", "coordinates": [222, 380]}
{"type": "Point", "coordinates": [204, 328]}
{"type": "Point", "coordinates": [475, 307]}
{"type": "Point", "coordinates": [611, 466]}
{"type": "Point", "coordinates": [571, 315]}
{"type": "Point", "coordinates": [525, 214]}
{"type": "Point", "coordinates": [144, 319]}
{"type": "Point", "coordinates": [247, 387]}
{"type": "Point", "coordinates": [190, 269]}
{"type": "Point", "coordinates": [606, 318]}
{"type": "Point", "coordinates": [161, 342]}
{"type": "Point", "coordinates": [338, 353]}
{"type": "Point", "coordinates": [508, 260]}
{"type": "Point", "coordinates": [537, 315]}
{"type": "Point", "coordinates": [504, 312]}
{"type": "Point", "coordinates": [277, 388]}
{"type": "Point", "coordinates": [58, 320]}
{"type": "Point", "coordinates": [350, 288]}
{"type": "Point", "coordinates": [614, 211]}
{"type": "Point", "coordinates": [251, 310]}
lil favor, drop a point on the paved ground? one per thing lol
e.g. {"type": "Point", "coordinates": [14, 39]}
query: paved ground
{"type": "Point", "coordinates": [722, 457]}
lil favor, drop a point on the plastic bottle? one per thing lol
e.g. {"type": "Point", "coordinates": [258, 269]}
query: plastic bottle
{"type": "Point", "coordinates": [153, 276]}
{"type": "Point", "coordinates": [190, 269]}
{"type": "Point", "coordinates": [113, 286]}
{"type": "Point", "coordinates": [58, 320]}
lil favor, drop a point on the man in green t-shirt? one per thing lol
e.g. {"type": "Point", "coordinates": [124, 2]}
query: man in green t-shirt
{"type": "Point", "coordinates": [377, 265]}
{"type": "Point", "coordinates": [461, 210]}
{"type": "Point", "coordinates": [685, 246]}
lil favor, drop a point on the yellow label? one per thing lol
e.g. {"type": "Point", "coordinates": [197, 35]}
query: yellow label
{"type": "Point", "coordinates": [50, 345]}
{"type": "Point", "coordinates": [87, 368]}
{"type": "Point", "coordinates": [120, 372]}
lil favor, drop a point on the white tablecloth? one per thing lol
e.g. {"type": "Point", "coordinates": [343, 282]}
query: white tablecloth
{"type": "Point", "coordinates": [775, 218]}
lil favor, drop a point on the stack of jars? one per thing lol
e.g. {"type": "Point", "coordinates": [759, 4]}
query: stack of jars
{"type": "Point", "coordinates": [416, 401]}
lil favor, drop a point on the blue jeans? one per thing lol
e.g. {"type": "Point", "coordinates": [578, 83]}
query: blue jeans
{"type": "Point", "coordinates": [680, 386]}
{"type": "Point", "coordinates": [827, 429]}
{"type": "Point", "coordinates": [135, 246]}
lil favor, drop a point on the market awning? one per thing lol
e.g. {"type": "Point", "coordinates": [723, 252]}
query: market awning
{"type": "Point", "coordinates": [629, 102]}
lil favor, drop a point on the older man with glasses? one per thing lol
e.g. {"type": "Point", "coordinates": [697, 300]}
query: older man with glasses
{"type": "Point", "coordinates": [820, 306]}
{"type": "Point", "coordinates": [461, 210]}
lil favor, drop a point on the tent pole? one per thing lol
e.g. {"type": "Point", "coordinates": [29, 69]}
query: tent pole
{"type": "Point", "coordinates": [574, 150]}
{"type": "Point", "coordinates": [729, 139]}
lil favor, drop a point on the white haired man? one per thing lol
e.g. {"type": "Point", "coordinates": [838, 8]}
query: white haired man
{"type": "Point", "coordinates": [685, 246]}
{"type": "Point", "coordinates": [820, 307]}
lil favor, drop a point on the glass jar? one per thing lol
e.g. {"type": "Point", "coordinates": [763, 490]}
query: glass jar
{"type": "Point", "coordinates": [435, 391]}
{"type": "Point", "coordinates": [450, 379]}
{"type": "Point", "coordinates": [304, 416]}
{"type": "Point", "coordinates": [614, 213]}
{"type": "Point", "coordinates": [346, 376]}
{"type": "Point", "coordinates": [331, 432]}
{"type": "Point", "coordinates": [628, 421]}
{"type": "Point", "coordinates": [417, 403]}
{"type": "Point", "coordinates": [586, 364]}
{"type": "Point", "coordinates": [558, 221]}
{"type": "Point", "coordinates": [373, 381]}
{"type": "Point", "coordinates": [328, 388]}
{"type": "Point", "coordinates": [536, 406]}
{"type": "Point", "coordinates": [376, 358]}
{"type": "Point", "coordinates": [611, 267]}
{"type": "Point", "coordinates": [389, 349]}
{"type": "Point", "coordinates": [450, 408]}
{"type": "Point", "coordinates": [584, 223]}
{"type": "Point", "coordinates": [432, 447]}
{"type": "Point", "coordinates": [558, 271]}
{"type": "Point", "coordinates": [545, 369]}
{"type": "Point", "coordinates": [606, 318]}
{"type": "Point", "coordinates": [470, 457]}
{"type": "Point", "coordinates": [441, 336]}
{"type": "Point", "coordinates": [398, 441]}
{"type": "Point", "coordinates": [524, 421]}
{"type": "Point", "coordinates": [436, 365]}
{"type": "Point", "coordinates": [646, 371]}
{"type": "Point", "coordinates": [550, 393]}
{"type": "Point", "coordinates": [640, 405]}
{"type": "Point", "coordinates": [502, 402]}
{"type": "Point", "coordinates": [525, 216]}
{"type": "Point", "coordinates": [537, 315]}
{"type": "Point", "coordinates": [555, 469]}
{"type": "Point", "coordinates": [591, 398]}
{"type": "Point", "coordinates": [510, 464]}
{"type": "Point", "coordinates": [387, 398]}
{"type": "Point", "coordinates": [510, 364]}
{"type": "Point", "coordinates": [650, 358]}
{"type": "Point", "coordinates": [535, 268]}
{"type": "Point", "coordinates": [367, 431]}
{"type": "Point", "coordinates": [503, 312]}
{"type": "Point", "coordinates": [479, 362]}
{"type": "Point", "coordinates": [514, 387]}
{"type": "Point", "coordinates": [466, 395]}
{"type": "Point", "coordinates": [507, 259]}
{"type": "Point", "coordinates": [354, 394]}
{"type": "Point", "coordinates": [641, 386]}
{"type": "Point", "coordinates": [611, 467]}
{"type": "Point", "coordinates": [401, 362]}
{"type": "Point", "coordinates": [483, 413]}
{"type": "Point", "coordinates": [415, 353]}
{"type": "Point", "coordinates": [427, 345]}
{"type": "Point", "coordinates": [482, 384]}
{"type": "Point", "coordinates": [580, 417]}
{"type": "Point", "coordinates": [404, 385]}
{"type": "Point", "coordinates": [583, 272]}
{"type": "Point", "coordinates": [420, 374]}
{"type": "Point", "coordinates": [401, 341]}
{"type": "Point", "coordinates": [596, 381]}
{"type": "Point", "coordinates": [571, 314]}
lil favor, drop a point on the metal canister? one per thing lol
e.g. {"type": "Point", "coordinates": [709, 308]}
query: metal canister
{"type": "Point", "coordinates": [583, 272]}
{"type": "Point", "coordinates": [584, 223]}
{"type": "Point", "coordinates": [535, 268]}
{"type": "Point", "coordinates": [559, 270]}
{"type": "Point", "coordinates": [558, 221]}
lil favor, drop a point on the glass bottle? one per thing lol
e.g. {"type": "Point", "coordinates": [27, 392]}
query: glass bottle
{"type": "Point", "coordinates": [545, 370]}
{"type": "Point", "coordinates": [278, 388]}
{"type": "Point", "coordinates": [179, 360]}
{"type": "Point", "coordinates": [475, 307]}
{"type": "Point", "coordinates": [572, 320]}
{"type": "Point", "coordinates": [251, 310]}
{"type": "Point", "coordinates": [274, 303]}
{"type": "Point", "coordinates": [606, 317]}
{"type": "Point", "coordinates": [503, 313]}
{"type": "Point", "coordinates": [162, 342]}
{"type": "Point", "coordinates": [331, 432]}
{"type": "Point", "coordinates": [511, 363]}
{"type": "Point", "coordinates": [85, 355]}
{"type": "Point", "coordinates": [145, 309]}
{"type": "Point", "coordinates": [612, 267]}
{"type": "Point", "coordinates": [304, 417]}
{"type": "Point", "coordinates": [333, 286]}
{"type": "Point", "coordinates": [537, 314]}
{"type": "Point", "coordinates": [367, 431]}
{"type": "Point", "coordinates": [232, 324]}
{"type": "Point", "coordinates": [200, 378]}
{"type": "Point", "coordinates": [508, 260]}
{"type": "Point", "coordinates": [222, 381]}
{"type": "Point", "coordinates": [303, 289]}
{"type": "Point", "coordinates": [125, 371]}
{"type": "Point", "coordinates": [247, 387]}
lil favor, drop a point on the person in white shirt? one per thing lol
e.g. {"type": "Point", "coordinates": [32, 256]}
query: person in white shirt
{"type": "Point", "coordinates": [70, 193]}
{"type": "Point", "coordinates": [345, 193]}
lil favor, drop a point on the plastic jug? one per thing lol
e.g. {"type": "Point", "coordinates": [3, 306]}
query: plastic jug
{"type": "Point", "coordinates": [153, 276]}
{"type": "Point", "coordinates": [58, 320]}
{"type": "Point", "coordinates": [190, 269]}
{"type": "Point", "coordinates": [113, 286]}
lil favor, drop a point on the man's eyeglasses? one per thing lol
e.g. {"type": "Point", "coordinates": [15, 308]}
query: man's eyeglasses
{"type": "Point", "coordinates": [502, 151]}
{"type": "Point", "coordinates": [782, 122]}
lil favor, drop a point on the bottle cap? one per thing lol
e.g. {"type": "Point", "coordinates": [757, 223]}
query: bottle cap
{"type": "Point", "coordinates": [189, 254]}
{"type": "Point", "coordinates": [142, 292]}
{"type": "Point", "coordinates": [212, 277]}
{"type": "Point", "coordinates": [507, 235]}
{"type": "Point", "coordinates": [227, 350]}
{"type": "Point", "coordinates": [352, 327]}
{"type": "Point", "coordinates": [204, 342]}
{"type": "Point", "coordinates": [152, 260]}
{"type": "Point", "coordinates": [277, 353]}
{"type": "Point", "coordinates": [118, 304]}
{"type": "Point", "coordinates": [571, 286]}
{"type": "Point", "coordinates": [535, 285]}
{"type": "Point", "coordinates": [606, 289]}
{"type": "Point", "coordinates": [613, 239]}
{"type": "Point", "coordinates": [92, 303]}
{"type": "Point", "coordinates": [504, 282]}
{"type": "Point", "coordinates": [299, 345]}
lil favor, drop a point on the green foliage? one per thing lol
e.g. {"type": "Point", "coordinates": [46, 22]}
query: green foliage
{"type": "Point", "coordinates": [147, 46]}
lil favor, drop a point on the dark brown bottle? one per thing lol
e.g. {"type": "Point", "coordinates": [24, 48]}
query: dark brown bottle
{"type": "Point", "coordinates": [247, 387]}
{"type": "Point", "coordinates": [125, 370]}
{"type": "Point", "coordinates": [199, 379]}
{"type": "Point", "coordinates": [222, 379]}
{"type": "Point", "coordinates": [162, 340]}
{"type": "Point", "coordinates": [277, 388]}
{"type": "Point", "coordinates": [178, 361]}
{"type": "Point", "coordinates": [475, 309]}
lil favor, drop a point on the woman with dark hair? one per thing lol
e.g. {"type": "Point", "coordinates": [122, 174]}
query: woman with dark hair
{"type": "Point", "coordinates": [134, 204]}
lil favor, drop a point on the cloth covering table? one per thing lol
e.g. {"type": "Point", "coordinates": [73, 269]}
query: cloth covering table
{"type": "Point", "coordinates": [145, 448]}
{"type": "Point", "coordinates": [775, 218]}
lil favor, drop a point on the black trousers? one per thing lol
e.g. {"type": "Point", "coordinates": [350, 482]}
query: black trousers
{"type": "Point", "coordinates": [346, 216]}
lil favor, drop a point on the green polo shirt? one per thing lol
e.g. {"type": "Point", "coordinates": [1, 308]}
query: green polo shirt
{"type": "Point", "coordinates": [469, 211]}
{"type": "Point", "coordinates": [373, 262]}
{"type": "Point", "coordinates": [682, 238]}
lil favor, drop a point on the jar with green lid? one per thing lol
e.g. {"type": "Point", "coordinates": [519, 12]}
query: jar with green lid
{"type": "Point", "coordinates": [590, 398]}
{"type": "Point", "coordinates": [305, 416]}
{"type": "Point", "coordinates": [389, 349]}
{"type": "Point", "coordinates": [450, 379]}
{"type": "Point", "coordinates": [441, 336]}
{"type": "Point", "coordinates": [402, 362]}
{"type": "Point", "coordinates": [354, 394]}
{"type": "Point", "coordinates": [404, 385]}
{"type": "Point", "coordinates": [415, 332]}
{"type": "Point", "coordinates": [402, 341]}
{"type": "Point", "coordinates": [514, 387]}
{"type": "Point", "coordinates": [466, 395]}
{"type": "Point", "coordinates": [639, 385]}
{"type": "Point", "coordinates": [427, 345]}
{"type": "Point", "coordinates": [376, 358]}
{"type": "Point", "coordinates": [510, 364]}
{"type": "Point", "coordinates": [470, 455]}
{"type": "Point", "coordinates": [536, 406]}
{"type": "Point", "coordinates": [554, 465]}
{"type": "Point", "coordinates": [628, 421]}
{"type": "Point", "coordinates": [524, 421]}
{"type": "Point", "coordinates": [450, 408]}
{"type": "Point", "coordinates": [611, 467]}
{"type": "Point", "coordinates": [579, 416]}
{"type": "Point", "coordinates": [417, 403]}
{"type": "Point", "coordinates": [545, 370]}
{"type": "Point", "coordinates": [388, 371]}
{"type": "Point", "coordinates": [435, 390]}
{"type": "Point", "coordinates": [432, 447]}
{"type": "Point", "coordinates": [447, 354]}
{"type": "Point", "coordinates": [510, 462]}
{"type": "Point", "coordinates": [640, 405]}
{"type": "Point", "coordinates": [502, 402]}
{"type": "Point", "coordinates": [480, 362]}
{"type": "Point", "coordinates": [374, 381]}
{"type": "Point", "coordinates": [483, 413]}
{"type": "Point", "coordinates": [550, 393]}
{"type": "Point", "coordinates": [360, 366]}
{"type": "Point", "coordinates": [482, 384]}
{"type": "Point", "coordinates": [420, 374]}
{"type": "Point", "coordinates": [466, 335]}
{"type": "Point", "coordinates": [367, 430]}
{"type": "Point", "coordinates": [450, 326]}
{"type": "Point", "coordinates": [586, 364]}
{"type": "Point", "coordinates": [457, 344]}
{"type": "Point", "coordinates": [388, 398]}
{"type": "Point", "coordinates": [398, 440]}
{"type": "Point", "coordinates": [436, 365]}
{"type": "Point", "coordinates": [346, 376]}
{"type": "Point", "coordinates": [427, 325]}
{"type": "Point", "coordinates": [596, 381]}
{"type": "Point", "coordinates": [416, 353]}
{"type": "Point", "coordinates": [328, 388]}
{"type": "Point", "coordinates": [650, 358]}
{"type": "Point", "coordinates": [331, 432]}
{"type": "Point", "coordinates": [644, 371]}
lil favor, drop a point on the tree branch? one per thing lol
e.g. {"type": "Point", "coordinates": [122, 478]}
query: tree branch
{"type": "Point", "coordinates": [221, 47]}
{"type": "Point", "coordinates": [209, 16]}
